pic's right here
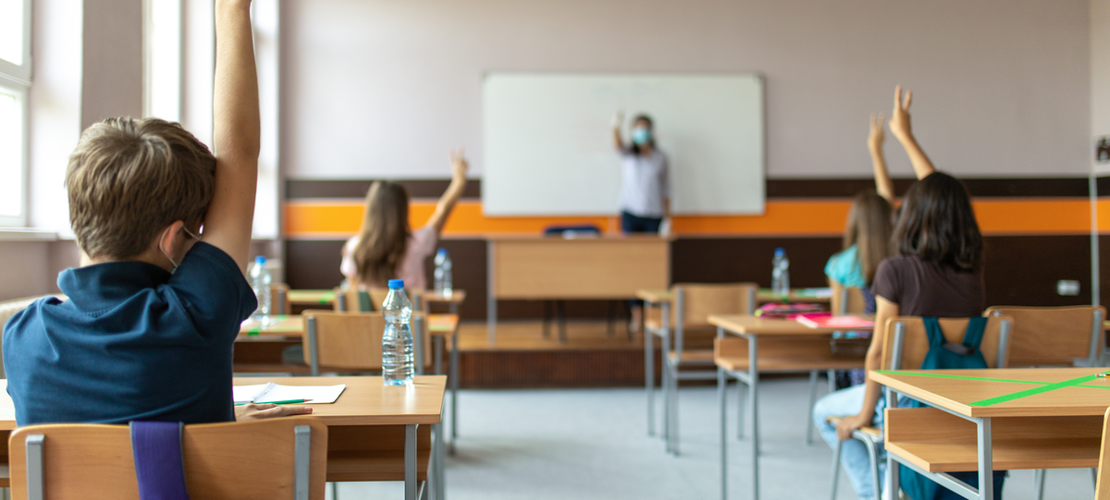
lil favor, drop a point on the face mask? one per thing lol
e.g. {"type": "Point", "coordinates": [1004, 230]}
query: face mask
{"type": "Point", "coordinates": [641, 136]}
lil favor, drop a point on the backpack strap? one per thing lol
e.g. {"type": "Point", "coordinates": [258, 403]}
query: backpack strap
{"type": "Point", "coordinates": [973, 336]}
{"type": "Point", "coordinates": [933, 331]}
{"type": "Point", "coordinates": [159, 464]}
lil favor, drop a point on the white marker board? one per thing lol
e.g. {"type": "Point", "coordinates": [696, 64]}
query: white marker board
{"type": "Point", "coordinates": [549, 148]}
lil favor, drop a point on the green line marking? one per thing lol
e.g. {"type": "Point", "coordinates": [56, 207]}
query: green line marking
{"type": "Point", "coordinates": [327, 297]}
{"type": "Point", "coordinates": [1075, 382]}
{"type": "Point", "coordinates": [960, 377]}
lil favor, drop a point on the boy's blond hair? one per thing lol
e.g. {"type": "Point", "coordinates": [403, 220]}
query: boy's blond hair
{"type": "Point", "coordinates": [128, 179]}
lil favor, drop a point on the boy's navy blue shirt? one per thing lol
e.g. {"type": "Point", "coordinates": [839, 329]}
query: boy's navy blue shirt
{"type": "Point", "coordinates": [133, 342]}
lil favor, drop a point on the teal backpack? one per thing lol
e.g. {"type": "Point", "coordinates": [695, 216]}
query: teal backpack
{"type": "Point", "coordinates": [945, 355]}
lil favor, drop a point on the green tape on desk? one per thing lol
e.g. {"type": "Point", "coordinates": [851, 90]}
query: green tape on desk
{"type": "Point", "coordinates": [1045, 386]}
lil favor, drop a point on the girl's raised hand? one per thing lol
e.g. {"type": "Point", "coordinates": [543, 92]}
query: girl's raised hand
{"type": "Point", "coordinates": [876, 137]}
{"type": "Point", "coordinates": [900, 117]}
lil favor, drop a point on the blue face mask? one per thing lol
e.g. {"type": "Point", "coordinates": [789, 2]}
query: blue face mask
{"type": "Point", "coordinates": [641, 136]}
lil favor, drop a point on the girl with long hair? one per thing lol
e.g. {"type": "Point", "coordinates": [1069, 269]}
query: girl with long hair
{"type": "Point", "coordinates": [937, 271]}
{"type": "Point", "coordinates": [386, 247]}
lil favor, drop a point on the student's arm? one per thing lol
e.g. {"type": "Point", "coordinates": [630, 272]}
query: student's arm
{"type": "Point", "coordinates": [883, 185]}
{"type": "Point", "coordinates": [885, 310]}
{"type": "Point", "coordinates": [618, 119]}
{"type": "Point", "coordinates": [236, 132]}
{"type": "Point", "coordinates": [246, 413]}
{"type": "Point", "coordinates": [900, 127]}
{"type": "Point", "coordinates": [453, 193]}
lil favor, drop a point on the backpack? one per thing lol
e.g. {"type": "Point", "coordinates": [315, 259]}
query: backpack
{"type": "Point", "coordinates": [949, 355]}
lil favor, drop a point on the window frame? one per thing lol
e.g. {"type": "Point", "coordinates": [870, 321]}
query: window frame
{"type": "Point", "coordinates": [16, 79]}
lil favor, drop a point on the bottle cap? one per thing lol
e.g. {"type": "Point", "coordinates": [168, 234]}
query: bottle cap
{"type": "Point", "coordinates": [260, 260]}
{"type": "Point", "coordinates": [396, 284]}
{"type": "Point", "coordinates": [780, 251]}
{"type": "Point", "coordinates": [441, 251]}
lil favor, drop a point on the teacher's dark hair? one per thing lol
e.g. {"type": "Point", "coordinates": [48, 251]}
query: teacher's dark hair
{"type": "Point", "coordinates": [938, 225]}
{"type": "Point", "coordinates": [650, 125]}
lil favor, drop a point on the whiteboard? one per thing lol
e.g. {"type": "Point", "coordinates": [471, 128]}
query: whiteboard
{"type": "Point", "coordinates": [548, 144]}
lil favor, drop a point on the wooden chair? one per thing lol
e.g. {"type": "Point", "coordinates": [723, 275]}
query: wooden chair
{"type": "Point", "coordinates": [693, 341]}
{"type": "Point", "coordinates": [279, 299]}
{"type": "Point", "coordinates": [846, 300]}
{"type": "Point", "coordinates": [222, 461]}
{"type": "Point", "coordinates": [352, 342]}
{"type": "Point", "coordinates": [347, 300]}
{"type": "Point", "coordinates": [905, 345]}
{"type": "Point", "coordinates": [1054, 336]}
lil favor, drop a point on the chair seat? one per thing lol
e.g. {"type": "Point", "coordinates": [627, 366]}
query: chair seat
{"type": "Point", "coordinates": [789, 364]}
{"type": "Point", "coordinates": [869, 430]}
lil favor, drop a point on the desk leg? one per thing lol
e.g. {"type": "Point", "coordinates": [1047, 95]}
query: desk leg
{"type": "Point", "coordinates": [753, 404]}
{"type": "Point", "coordinates": [437, 351]}
{"type": "Point", "coordinates": [986, 460]}
{"type": "Point", "coordinates": [454, 379]}
{"type": "Point", "coordinates": [664, 352]}
{"type": "Point", "coordinates": [721, 401]}
{"type": "Point", "coordinates": [649, 379]}
{"type": "Point", "coordinates": [411, 483]}
{"type": "Point", "coordinates": [491, 319]}
{"type": "Point", "coordinates": [440, 461]}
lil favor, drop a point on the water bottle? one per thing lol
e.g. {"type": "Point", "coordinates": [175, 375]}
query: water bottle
{"type": "Point", "coordinates": [780, 273]}
{"type": "Point", "coordinates": [443, 273]}
{"type": "Point", "coordinates": [397, 339]}
{"type": "Point", "coordinates": [260, 283]}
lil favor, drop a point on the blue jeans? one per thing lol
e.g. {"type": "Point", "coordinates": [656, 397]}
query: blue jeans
{"type": "Point", "coordinates": [635, 224]}
{"type": "Point", "coordinates": [853, 454]}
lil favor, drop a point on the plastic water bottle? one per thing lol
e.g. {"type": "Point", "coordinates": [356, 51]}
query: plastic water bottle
{"type": "Point", "coordinates": [780, 273]}
{"type": "Point", "coordinates": [397, 340]}
{"type": "Point", "coordinates": [443, 273]}
{"type": "Point", "coordinates": [260, 283]}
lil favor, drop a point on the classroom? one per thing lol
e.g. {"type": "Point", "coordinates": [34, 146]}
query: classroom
{"type": "Point", "coordinates": [493, 249]}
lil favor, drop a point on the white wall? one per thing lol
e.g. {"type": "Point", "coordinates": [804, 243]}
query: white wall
{"type": "Point", "coordinates": [385, 87]}
{"type": "Point", "coordinates": [1100, 74]}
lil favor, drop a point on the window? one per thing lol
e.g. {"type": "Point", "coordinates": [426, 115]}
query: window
{"type": "Point", "coordinates": [15, 80]}
{"type": "Point", "coordinates": [162, 59]}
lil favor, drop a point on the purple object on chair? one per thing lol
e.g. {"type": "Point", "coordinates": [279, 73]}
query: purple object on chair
{"type": "Point", "coordinates": [159, 463]}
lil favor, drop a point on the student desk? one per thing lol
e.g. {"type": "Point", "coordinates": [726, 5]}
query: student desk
{"type": "Point", "coordinates": [996, 419]}
{"type": "Point", "coordinates": [554, 268]}
{"type": "Point", "coordinates": [326, 298]}
{"type": "Point", "coordinates": [375, 433]}
{"type": "Point", "coordinates": [783, 336]}
{"type": "Point", "coordinates": [440, 327]}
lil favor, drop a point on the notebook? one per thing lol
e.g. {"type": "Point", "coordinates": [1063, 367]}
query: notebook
{"type": "Point", "coordinates": [269, 392]}
{"type": "Point", "coordinates": [829, 321]}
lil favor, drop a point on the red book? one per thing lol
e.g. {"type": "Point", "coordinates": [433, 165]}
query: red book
{"type": "Point", "coordinates": [829, 321]}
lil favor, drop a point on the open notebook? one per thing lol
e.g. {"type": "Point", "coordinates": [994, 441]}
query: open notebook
{"type": "Point", "coordinates": [270, 392]}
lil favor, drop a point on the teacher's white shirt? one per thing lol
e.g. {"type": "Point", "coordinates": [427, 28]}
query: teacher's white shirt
{"type": "Point", "coordinates": [645, 183]}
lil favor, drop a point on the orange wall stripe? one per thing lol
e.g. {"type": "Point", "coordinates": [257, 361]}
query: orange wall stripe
{"type": "Point", "coordinates": [997, 216]}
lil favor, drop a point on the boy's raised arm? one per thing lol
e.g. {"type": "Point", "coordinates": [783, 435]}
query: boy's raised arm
{"type": "Point", "coordinates": [236, 132]}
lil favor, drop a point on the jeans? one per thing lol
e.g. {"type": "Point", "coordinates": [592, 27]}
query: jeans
{"type": "Point", "coordinates": [635, 224]}
{"type": "Point", "coordinates": [853, 454]}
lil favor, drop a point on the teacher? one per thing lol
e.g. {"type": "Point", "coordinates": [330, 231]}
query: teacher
{"type": "Point", "coordinates": [645, 197]}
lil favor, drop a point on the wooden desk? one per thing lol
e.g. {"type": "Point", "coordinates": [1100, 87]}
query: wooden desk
{"type": "Point", "coordinates": [280, 326]}
{"type": "Point", "coordinates": [801, 295]}
{"type": "Point", "coordinates": [552, 268]}
{"type": "Point", "coordinates": [375, 433]}
{"type": "Point", "coordinates": [783, 336]}
{"type": "Point", "coordinates": [311, 298]}
{"type": "Point", "coordinates": [1005, 419]}
{"type": "Point", "coordinates": [453, 301]}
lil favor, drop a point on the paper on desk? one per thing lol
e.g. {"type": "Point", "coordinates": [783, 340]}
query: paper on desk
{"type": "Point", "coordinates": [262, 393]}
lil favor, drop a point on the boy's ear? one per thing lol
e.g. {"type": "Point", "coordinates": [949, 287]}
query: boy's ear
{"type": "Point", "coordinates": [168, 238]}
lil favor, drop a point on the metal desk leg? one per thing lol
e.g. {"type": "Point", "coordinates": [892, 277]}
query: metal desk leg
{"type": "Point", "coordinates": [491, 319]}
{"type": "Point", "coordinates": [454, 308]}
{"type": "Point", "coordinates": [454, 380]}
{"type": "Point", "coordinates": [437, 351]}
{"type": "Point", "coordinates": [986, 458]}
{"type": "Point", "coordinates": [722, 402]}
{"type": "Point", "coordinates": [664, 352]}
{"type": "Point", "coordinates": [753, 404]}
{"type": "Point", "coordinates": [440, 462]}
{"type": "Point", "coordinates": [649, 379]}
{"type": "Point", "coordinates": [411, 484]}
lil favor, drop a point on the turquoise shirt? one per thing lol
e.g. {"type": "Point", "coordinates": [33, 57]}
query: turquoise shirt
{"type": "Point", "coordinates": [845, 268]}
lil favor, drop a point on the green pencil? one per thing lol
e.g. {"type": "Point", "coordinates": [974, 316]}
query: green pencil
{"type": "Point", "coordinates": [283, 402]}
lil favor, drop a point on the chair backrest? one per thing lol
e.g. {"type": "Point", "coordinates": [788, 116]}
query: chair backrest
{"type": "Point", "coordinates": [266, 459]}
{"type": "Point", "coordinates": [353, 341]}
{"type": "Point", "coordinates": [905, 342]}
{"type": "Point", "coordinates": [846, 300]}
{"type": "Point", "coordinates": [279, 298]}
{"type": "Point", "coordinates": [1102, 483]}
{"type": "Point", "coordinates": [348, 300]}
{"type": "Point", "coordinates": [1054, 336]}
{"type": "Point", "coordinates": [694, 302]}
